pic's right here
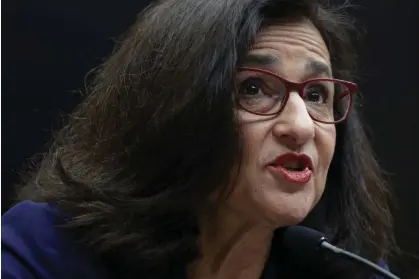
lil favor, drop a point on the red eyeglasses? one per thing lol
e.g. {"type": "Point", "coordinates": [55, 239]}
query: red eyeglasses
{"type": "Point", "coordinates": [263, 92]}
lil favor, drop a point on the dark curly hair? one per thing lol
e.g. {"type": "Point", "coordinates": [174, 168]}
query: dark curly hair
{"type": "Point", "coordinates": [157, 134]}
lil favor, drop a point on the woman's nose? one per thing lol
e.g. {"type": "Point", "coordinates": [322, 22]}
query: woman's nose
{"type": "Point", "coordinates": [294, 126]}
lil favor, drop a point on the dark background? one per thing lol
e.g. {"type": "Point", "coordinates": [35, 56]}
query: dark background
{"type": "Point", "coordinates": [50, 45]}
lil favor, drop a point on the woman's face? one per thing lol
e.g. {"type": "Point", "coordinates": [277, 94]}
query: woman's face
{"type": "Point", "coordinates": [269, 189]}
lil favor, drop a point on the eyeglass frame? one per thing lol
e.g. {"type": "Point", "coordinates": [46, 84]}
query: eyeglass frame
{"type": "Point", "coordinates": [299, 87]}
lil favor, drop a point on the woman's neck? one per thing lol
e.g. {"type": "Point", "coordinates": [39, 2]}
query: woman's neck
{"type": "Point", "coordinates": [231, 248]}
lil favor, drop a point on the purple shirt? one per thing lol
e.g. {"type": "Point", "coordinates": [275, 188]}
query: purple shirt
{"type": "Point", "coordinates": [33, 247]}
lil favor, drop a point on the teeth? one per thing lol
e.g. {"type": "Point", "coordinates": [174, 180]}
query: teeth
{"type": "Point", "coordinates": [292, 165]}
{"type": "Point", "coordinates": [295, 169]}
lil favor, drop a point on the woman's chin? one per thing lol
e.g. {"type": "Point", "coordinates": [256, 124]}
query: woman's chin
{"type": "Point", "coordinates": [288, 214]}
{"type": "Point", "coordinates": [285, 209]}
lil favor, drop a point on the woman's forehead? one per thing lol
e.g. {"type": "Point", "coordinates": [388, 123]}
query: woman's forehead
{"type": "Point", "coordinates": [284, 37]}
{"type": "Point", "coordinates": [290, 48]}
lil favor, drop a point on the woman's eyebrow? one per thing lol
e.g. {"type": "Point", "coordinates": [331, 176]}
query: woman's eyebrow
{"type": "Point", "coordinates": [258, 59]}
{"type": "Point", "coordinates": [315, 68]}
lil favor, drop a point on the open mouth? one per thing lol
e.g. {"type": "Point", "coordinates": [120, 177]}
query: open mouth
{"type": "Point", "coordinates": [296, 168]}
{"type": "Point", "coordinates": [293, 162]}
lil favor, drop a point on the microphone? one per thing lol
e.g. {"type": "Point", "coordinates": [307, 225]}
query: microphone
{"type": "Point", "coordinates": [299, 238]}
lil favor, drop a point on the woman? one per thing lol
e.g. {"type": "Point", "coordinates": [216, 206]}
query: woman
{"type": "Point", "coordinates": [214, 126]}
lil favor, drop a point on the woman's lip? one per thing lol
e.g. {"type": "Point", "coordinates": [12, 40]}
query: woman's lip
{"type": "Point", "coordinates": [293, 176]}
{"type": "Point", "coordinates": [301, 159]}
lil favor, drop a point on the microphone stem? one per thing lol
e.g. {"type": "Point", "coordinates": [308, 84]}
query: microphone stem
{"type": "Point", "coordinates": [377, 269]}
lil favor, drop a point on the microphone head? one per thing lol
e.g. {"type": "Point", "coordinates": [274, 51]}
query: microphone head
{"type": "Point", "coordinates": [303, 244]}
{"type": "Point", "coordinates": [303, 238]}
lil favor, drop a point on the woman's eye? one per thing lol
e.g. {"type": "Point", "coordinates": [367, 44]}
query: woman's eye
{"type": "Point", "coordinates": [317, 94]}
{"type": "Point", "coordinates": [251, 87]}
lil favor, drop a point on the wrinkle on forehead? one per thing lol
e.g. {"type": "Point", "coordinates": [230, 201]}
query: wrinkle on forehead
{"type": "Point", "coordinates": [297, 34]}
